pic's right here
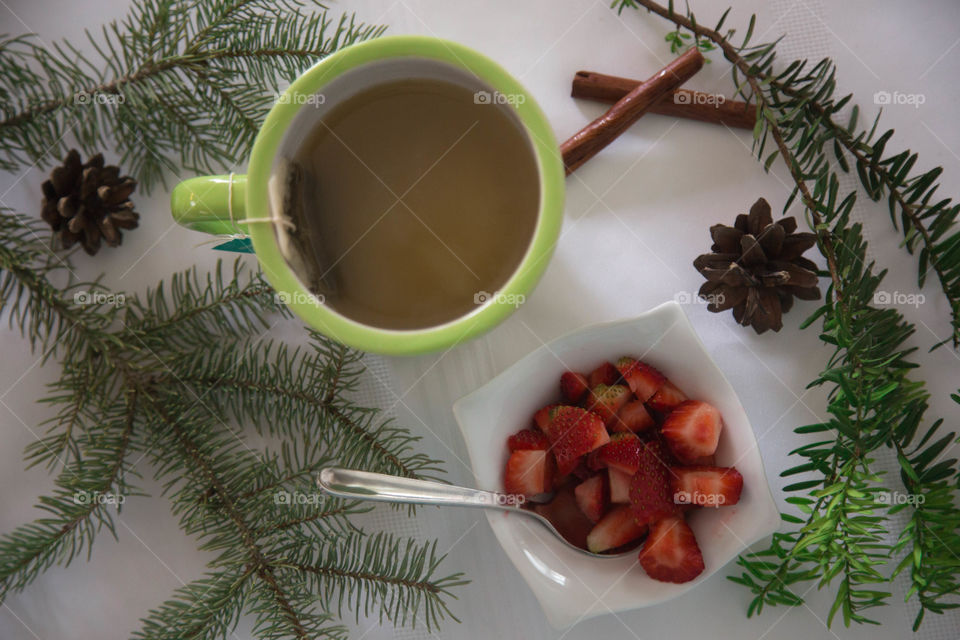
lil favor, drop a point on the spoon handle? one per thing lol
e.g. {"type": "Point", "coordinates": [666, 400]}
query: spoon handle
{"type": "Point", "coordinates": [364, 485]}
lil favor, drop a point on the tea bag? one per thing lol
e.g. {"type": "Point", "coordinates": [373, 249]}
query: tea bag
{"type": "Point", "coordinates": [291, 188]}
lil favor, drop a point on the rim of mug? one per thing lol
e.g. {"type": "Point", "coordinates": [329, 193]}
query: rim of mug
{"type": "Point", "coordinates": [489, 312]}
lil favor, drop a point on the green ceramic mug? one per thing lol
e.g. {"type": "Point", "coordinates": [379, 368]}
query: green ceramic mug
{"type": "Point", "coordinates": [226, 205]}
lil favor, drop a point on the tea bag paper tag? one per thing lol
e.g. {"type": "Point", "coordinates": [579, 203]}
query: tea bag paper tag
{"type": "Point", "coordinates": [237, 245]}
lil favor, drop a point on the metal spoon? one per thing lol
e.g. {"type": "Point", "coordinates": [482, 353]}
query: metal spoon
{"type": "Point", "coordinates": [364, 485]}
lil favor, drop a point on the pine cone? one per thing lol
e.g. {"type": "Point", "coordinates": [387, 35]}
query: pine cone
{"type": "Point", "coordinates": [87, 202]}
{"type": "Point", "coordinates": [757, 267]}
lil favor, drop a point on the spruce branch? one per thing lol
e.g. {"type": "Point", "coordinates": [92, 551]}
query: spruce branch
{"type": "Point", "coordinates": [77, 509]}
{"type": "Point", "coordinates": [141, 382]}
{"type": "Point", "coordinates": [175, 83]}
{"type": "Point", "coordinates": [873, 403]}
{"type": "Point", "coordinates": [397, 577]}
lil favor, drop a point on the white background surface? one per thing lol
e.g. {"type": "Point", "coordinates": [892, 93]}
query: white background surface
{"type": "Point", "coordinates": [636, 217]}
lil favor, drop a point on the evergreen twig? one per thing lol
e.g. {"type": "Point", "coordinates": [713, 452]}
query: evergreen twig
{"type": "Point", "coordinates": [176, 82]}
{"type": "Point", "coordinates": [158, 378]}
{"type": "Point", "coordinates": [840, 536]}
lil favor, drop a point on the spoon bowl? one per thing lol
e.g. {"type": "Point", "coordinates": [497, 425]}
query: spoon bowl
{"type": "Point", "coordinates": [365, 485]}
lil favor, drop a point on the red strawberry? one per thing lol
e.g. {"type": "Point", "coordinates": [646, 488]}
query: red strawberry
{"type": "Point", "coordinates": [581, 471]}
{"type": "Point", "coordinates": [542, 417]}
{"type": "Point", "coordinates": [692, 430]}
{"type": "Point", "coordinates": [650, 496]}
{"type": "Point", "coordinates": [566, 516]}
{"type": "Point", "coordinates": [706, 486]}
{"type": "Point", "coordinates": [662, 452]}
{"type": "Point", "coordinates": [573, 387]}
{"type": "Point", "coordinates": [622, 452]}
{"type": "Point", "coordinates": [572, 432]}
{"type": "Point", "coordinates": [643, 379]}
{"type": "Point", "coordinates": [593, 461]}
{"type": "Point", "coordinates": [668, 397]}
{"type": "Point", "coordinates": [528, 439]}
{"type": "Point", "coordinates": [634, 417]}
{"type": "Point", "coordinates": [528, 472]}
{"type": "Point", "coordinates": [616, 529]}
{"type": "Point", "coordinates": [670, 553]}
{"type": "Point", "coordinates": [604, 374]}
{"type": "Point", "coordinates": [592, 497]}
{"type": "Point", "coordinates": [606, 401]}
{"type": "Point", "coordinates": [619, 486]}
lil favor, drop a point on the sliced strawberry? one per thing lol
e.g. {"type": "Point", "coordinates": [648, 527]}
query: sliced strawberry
{"type": "Point", "coordinates": [564, 514]}
{"type": "Point", "coordinates": [591, 497]}
{"type": "Point", "coordinates": [581, 471]}
{"type": "Point", "coordinates": [573, 387]}
{"type": "Point", "coordinates": [604, 374]}
{"type": "Point", "coordinates": [616, 529]}
{"type": "Point", "coordinates": [542, 417]}
{"type": "Point", "coordinates": [606, 400]}
{"type": "Point", "coordinates": [573, 432]}
{"type": "Point", "coordinates": [593, 461]}
{"type": "Point", "coordinates": [622, 452]}
{"type": "Point", "coordinates": [642, 379]}
{"type": "Point", "coordinates": [528, 472]}
{"type": "Point", "coordinates": [634, 417]}
{"type": "Point", "coordinates": [619, 486]}
{"type": "Point", "coordinates": [528, 439]}
{"type": "Point", "coordinates": [692, 430]}
{"type": "Point", "coordinates": [662, 452]}
{"type": "Point", "coordinates": [651, 497]}
{"type": "Point", "coordinates": [668, 397]}
{"type": "Point", "coordinates": [671, 553]}
{"type": "Point", "coordinates": [706, 486]}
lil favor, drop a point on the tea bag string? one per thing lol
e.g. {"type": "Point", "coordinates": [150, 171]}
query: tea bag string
{"type": "Point", "coordinates": [240, 234]}
{"type": "Point", "coordinates": [280, 220]}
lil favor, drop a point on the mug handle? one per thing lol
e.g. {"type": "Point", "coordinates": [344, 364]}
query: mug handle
{"type": "Point", "coordinates": [212, 204]}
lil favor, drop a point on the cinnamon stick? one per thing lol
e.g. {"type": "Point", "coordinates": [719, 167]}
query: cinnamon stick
{"type": "Point", "coordinates": [682, 103]}
{"type": "Point", "coordinates": [584, 144]}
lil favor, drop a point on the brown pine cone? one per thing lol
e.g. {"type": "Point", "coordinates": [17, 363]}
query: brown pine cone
{"type": "Point", "coordinates": [757, 268]}
{"type": "Point", "coordinates": [87, 202]}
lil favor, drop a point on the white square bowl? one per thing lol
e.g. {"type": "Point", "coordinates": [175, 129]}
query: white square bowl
{"type": "Point", "coordinates": [572, 587]}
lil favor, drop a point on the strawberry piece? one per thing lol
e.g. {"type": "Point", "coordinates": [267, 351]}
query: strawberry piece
{"type": "Point", "coordinates": [692, 430]}
{"type": "Point", "coordinates": [542, 417]}
{"type": "Point", "coordinates": [593, 461]}
{"type": "Point", "coordinates": [528, 472]}
{"type": "Point", "coordinates": [606, 400]}
{"type": "Point", "coordinates": [592, 497]}
{"type": "Point", "coordinates": [706, 486]}
{"type": "Point", "coordinates": [573, 387]}
{"type": "Point", "coordinates": [622, 452]}
{"type": "Point", "coordinates": [662, 452]}
{"type": "Point", "coordinates": [651, 497]}
{"type": "Point", "coordinates": [643, 380]}
{"type": "Point", "coordinates": [666, 398]}
{"type": "Point", "coordinates": [604, 374]}
{"type": "Point", "coordinates": [634, 417]}
{"type": "Point", "coordinates": [671, 553]}
{"type": "Point", "coordinates": [564, 514]}
{"type": "Point", "coordinates": [573, 432]}
{"type": "Point", "coordinates": [619, 486]}
{"type": "Point", "coordinates": [528, 439]}
{"type": "Point", "coordinates": [616, 529]}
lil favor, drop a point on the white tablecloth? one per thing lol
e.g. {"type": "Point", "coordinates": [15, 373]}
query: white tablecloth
{"type": "Point", "coordinates": [636, 217]}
